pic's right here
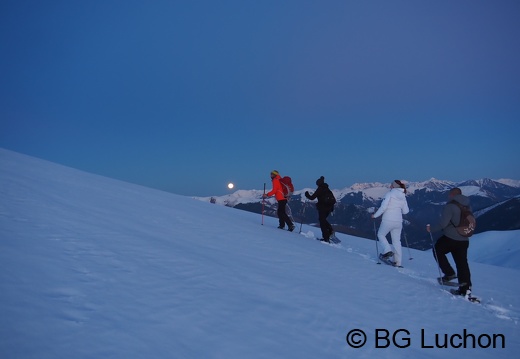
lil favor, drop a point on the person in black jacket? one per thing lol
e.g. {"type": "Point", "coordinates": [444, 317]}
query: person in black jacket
{"type": "Point", "coordinates": [325, 206]}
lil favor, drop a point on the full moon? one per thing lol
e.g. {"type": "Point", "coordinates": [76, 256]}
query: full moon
{"type": "Point", "coordinates": [230, 185]}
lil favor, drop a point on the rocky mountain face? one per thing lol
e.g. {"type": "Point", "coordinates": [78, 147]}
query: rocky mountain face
{"type": "Point", "coordinates": [496, 206]}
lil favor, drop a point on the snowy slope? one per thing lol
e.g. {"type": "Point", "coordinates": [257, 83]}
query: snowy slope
{"type": "Point", "coordinates": [97, 268]}
{"type": "Point", "coordinates": [496, 248]}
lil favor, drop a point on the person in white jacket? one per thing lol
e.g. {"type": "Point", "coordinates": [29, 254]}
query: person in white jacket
{"type": "Point", "coordinates": [392, 208]}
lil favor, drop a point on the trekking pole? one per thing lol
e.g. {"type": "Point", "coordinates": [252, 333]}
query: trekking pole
{"type": "Point", "coordinates": [377, 248]}
{"type": "Point", "coordinates": [407, 246]}
{"type": "Point", "coordinates": [435, 254]}
{"type": "Point", "coordinates": [303, 213]}
{"type": "Point", "coordinates": [372, 211]}
{"type": "Point", "coordinates": [263, 205]}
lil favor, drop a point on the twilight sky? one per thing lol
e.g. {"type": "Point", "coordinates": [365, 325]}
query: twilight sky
{"type": "Point", "coordinates": [186, 96]}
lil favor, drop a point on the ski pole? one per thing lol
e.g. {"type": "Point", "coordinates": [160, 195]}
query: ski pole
{"type": "Point", "coordinates": [435, 253]}
{"type": "Point", "coordinates": [263, 205]}
{"type": "Point", "coordinates": [407, 246]}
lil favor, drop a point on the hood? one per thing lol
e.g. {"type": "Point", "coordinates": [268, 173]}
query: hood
{"type": "Point", "coordinates": [397, 193]}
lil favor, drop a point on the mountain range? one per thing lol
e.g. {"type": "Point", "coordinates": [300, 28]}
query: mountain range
{"type": "Point", "coordinates": [496, 205]}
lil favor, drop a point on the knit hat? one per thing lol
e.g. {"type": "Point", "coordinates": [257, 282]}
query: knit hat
{"type": "Point", "coordinates": [275, 172]}
{"type": "Point", "coordinates": [320, 181]}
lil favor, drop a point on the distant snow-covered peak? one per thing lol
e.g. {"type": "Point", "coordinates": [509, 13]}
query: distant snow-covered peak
{"type": "Point", "coordinates": [509, 182]}
{"type": "Point", "coordinates": [372, 190]}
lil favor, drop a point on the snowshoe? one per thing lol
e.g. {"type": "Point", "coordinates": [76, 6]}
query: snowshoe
{"type": "Point", "coordinates": [466, 294]}
{"type": "Point", "coordinates": [447, 281]}
{"type": "Point", "coordinates": [386, 255]}
{"type": "Point", "coordinates": [388, 261]}
{"type": "Point", "coordinates": [334, 239]}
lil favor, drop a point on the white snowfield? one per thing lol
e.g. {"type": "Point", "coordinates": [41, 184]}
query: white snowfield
{"type": "Point", "coordinates": [92, 267]}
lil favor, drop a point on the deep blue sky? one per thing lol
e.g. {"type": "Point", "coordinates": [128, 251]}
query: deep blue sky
{"type": "Point", "coordinates": [186, 96]}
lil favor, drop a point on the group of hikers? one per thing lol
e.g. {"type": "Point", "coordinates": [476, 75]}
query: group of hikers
{"type": "Point", "coordinates": [392, 209]}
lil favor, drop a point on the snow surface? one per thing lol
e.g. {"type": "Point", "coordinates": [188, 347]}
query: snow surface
{"type": "Point", "coordinates": [496, 248]}
{"type": "Point", "coordinates": [509, 182]}
{"type": "Point", "coordinates": [92, 267]}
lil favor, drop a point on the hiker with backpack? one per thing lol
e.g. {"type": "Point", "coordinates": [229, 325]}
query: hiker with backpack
{"type": "Point", "coordinates": [454, 240]}
{"type": "Point", "coordinates": [392, 208]}
{"type": "Point", "coordinates": [325, 206]}
{"type": "Point", "coordinates": [281, 197]}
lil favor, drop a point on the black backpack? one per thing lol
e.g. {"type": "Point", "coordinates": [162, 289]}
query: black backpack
{"type": "Point", "coordinates": [467, 223]}
{"type": "Point", "coordinates": [329, 199]}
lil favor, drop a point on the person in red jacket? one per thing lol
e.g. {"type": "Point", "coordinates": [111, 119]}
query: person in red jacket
{"type": "Point", "coordinates": [277, 192]}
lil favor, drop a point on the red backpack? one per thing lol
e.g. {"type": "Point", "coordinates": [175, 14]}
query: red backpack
{"type": "Point", "coordinates": [287, 186]}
